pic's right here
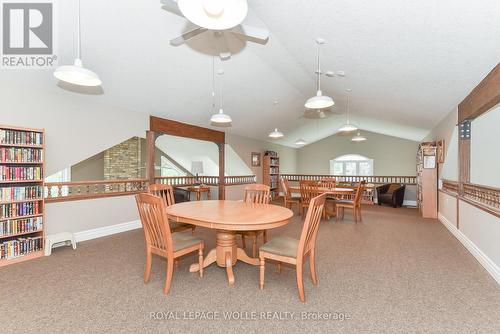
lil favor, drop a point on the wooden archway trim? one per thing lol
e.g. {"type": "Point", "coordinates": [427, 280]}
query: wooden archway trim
{"type": "Point", "coordinates": [159, 126]}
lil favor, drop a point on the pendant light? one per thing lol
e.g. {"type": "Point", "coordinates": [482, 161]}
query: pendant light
{"type": "Point", "coordinates": [319, 101]}
{"type": "Point", "coordinates": [300, 142]}
{"type": "Point", "coordinates": [220, 118]}
{"type": "Point", "coordinates": [76, 74]}
{"type": "Point", "coordinates": [348, 127]}
{"type": "Point", "coordinates": [275, 134]}
{"type": "Point", "coordinates": [358, 138]}
{"type": "Point", "coordinates": [214, 14]}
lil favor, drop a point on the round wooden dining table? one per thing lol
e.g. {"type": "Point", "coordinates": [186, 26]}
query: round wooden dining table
{"type": "Point", "coordinates": [228, 217]}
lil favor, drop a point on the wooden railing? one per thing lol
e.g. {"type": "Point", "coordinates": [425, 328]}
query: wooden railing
{"type": "Point", "coordinates": [488, 196]}
{"type": "Point", "coordinates": [74, 191]}
{"type": "Point", "coordinates": [353, 179]}
{"type": "Point", "coordinates": [450, 186]}
{"type": "Point", "coordinates": [181, 181]}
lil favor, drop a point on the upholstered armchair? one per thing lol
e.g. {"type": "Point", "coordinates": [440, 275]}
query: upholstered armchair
{"type": "Point", "coordinates": [392, 194]}
{"type": "Point", "coordinates": [181, 195]}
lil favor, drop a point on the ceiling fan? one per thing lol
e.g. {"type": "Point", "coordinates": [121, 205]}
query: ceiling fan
{"type": "Point", "coordinates": [318, 113]}
{"type": "Point", "coordinates": [218, 17]}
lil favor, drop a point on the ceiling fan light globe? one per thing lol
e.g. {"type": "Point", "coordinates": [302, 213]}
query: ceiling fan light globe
{"type": "Point", "coordinates": [78, 75]}
{"type": "Point", "coordinates": [348, 128]}
{"type": "Point", "coordinates": [319, 101]}
{"type": "Point", "coordinates": [300, 142]}
{"type": "Point", "coordinates": [214, 14]}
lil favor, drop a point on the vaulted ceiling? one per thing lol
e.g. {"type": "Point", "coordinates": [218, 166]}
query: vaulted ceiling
{"type": "Point", "coordinates": [408, 63]}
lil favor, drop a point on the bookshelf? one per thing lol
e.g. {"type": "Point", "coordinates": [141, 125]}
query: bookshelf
{"type": "Point", "coordinates": [427, 180]}
{"type": "Point", "coordinates": [22, 204]}
{"type": "Point", "coordinates": [271, 172]}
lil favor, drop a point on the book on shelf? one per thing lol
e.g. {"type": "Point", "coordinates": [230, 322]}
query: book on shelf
{"type": "Point", "coordinates": [21, 193]}
{"type": "Point", "coordinates": [25, 173]}
{"type": "Point", "coordinates": [18, 137]}
{"type": "Point", "coordinates": [20, 155]}
{"type": "Point", "coordinates": [16, 247]}
{"type": "Point", "coordinates": [14, 210]}
{"type": "Point", "coordinates": [17, 226]}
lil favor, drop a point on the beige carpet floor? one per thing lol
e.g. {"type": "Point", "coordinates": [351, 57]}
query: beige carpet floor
{"type": "Point", "coordinates": [394, 272]}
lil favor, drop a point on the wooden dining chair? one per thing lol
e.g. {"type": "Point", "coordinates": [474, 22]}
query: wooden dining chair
{"type": "Point", "coordinates": [354, 204]}
{"type": "Point", "coordinates": [166, 192]}
{"type": "Point", "coordinates": [160, 241]}
{"type": "Point", "coordinates": [293, 251]}
{"type": "Point", "coordinates": [288, 199]}
{"type": "Point", "coordinates": [255, 193]}
{"type": "Point", "coordinates": [308, 190]}
{"type": "Point", "coordinates": [330, 183]}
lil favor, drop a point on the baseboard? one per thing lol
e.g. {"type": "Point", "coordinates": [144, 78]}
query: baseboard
{"type": "Point", "coordinates": [106, 230]}
{"type": "Point", "coordinates": [409, 203]}
{"type": "Point", "coordinates": [484, 260]}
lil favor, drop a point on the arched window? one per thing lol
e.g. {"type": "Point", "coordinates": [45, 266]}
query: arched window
{"type": "Point", "coordinates": [351, 164]}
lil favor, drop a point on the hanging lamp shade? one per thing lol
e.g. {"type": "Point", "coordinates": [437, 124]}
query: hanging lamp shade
{"type": "Point", "coordinates": [300, 142]}
{"type": "Point", "coordinates": [358, 138]}
{"type": "Point", "coordinates": [319, 101]}
{"type": "Point", "coordinates": [348, 127]}
{"type": "Point", "coordinates": [76, 74]}
{"type": "Point", "coordinates": [214, 14]}
{"type": "Point", "coordinates": [220, 118]}
{"type": "Point", "coordinates": [275, 134]}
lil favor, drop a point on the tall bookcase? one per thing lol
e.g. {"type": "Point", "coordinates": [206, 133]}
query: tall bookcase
{"type": "Point", "coordinates": [22, 211]}
{"type": "Point", "coordinates": [427, 180]}
{"type": "Point", "coordinates": [271, 172]}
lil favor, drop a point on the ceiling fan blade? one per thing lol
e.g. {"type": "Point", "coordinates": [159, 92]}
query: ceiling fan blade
{"type": "Point", "coordinates": [255, 34]}
{"type": "Point", "coordinates": [171, 6]}
{"type": "Point", "coordinates": [221, 43]}
{"type": "Point", "coordinates": [187, 36]}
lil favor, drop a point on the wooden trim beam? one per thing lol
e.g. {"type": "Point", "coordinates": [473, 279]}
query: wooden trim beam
{"type": "Point", "coordinates": [485, 96]}
{"type": "Point", "coordinates": [179, 129]}
{"type": "Point", "coordinates": [222, 179]}
{"type": "Point", "coordinates": [150, 156]}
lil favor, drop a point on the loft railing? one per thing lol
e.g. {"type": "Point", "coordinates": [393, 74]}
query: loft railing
{"type": "Point", "coordinates": [181, 181]}
{"type": "Point", "coordinates": [483, 197]}
{"type": "Point", "coordinates": [353, 178]}
{"type": "Point", "coordinates": [75, 191]}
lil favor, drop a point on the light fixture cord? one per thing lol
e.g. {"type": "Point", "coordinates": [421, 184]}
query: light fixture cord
{"type": "Point", "coordinates": [319, 70]}
{"type": "Point", "coordinates": [221, 92]}
{"type": "Point", "coordinates": [348, 107]}
{"type": "Point", "coordinates": [213, 83]}
{"type": "Point", "coordinates": [79, 33]}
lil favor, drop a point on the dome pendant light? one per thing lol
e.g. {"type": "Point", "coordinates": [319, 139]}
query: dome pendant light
{"type": "Point", "coordinates": [76, 74]}
{"type": "Point", "coordinates": [275, 134]}
{"type": "Point", "coordinates": [219, 119]}
{"type": "Point", "coordinates": [300, 142]}
{"type": "Point", "coordinates": [358, 138]}
{"type": "Point", "coordinates": [348, 127]}
{"type": "Point", "coordinates": [319, 101]}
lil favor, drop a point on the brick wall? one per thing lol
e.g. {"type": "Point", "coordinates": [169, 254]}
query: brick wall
{"type": "Point", "coordinates": [123, 161]}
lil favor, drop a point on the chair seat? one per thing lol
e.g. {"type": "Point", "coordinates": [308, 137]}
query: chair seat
{"type": "Point", "coordinates": [283, 246]}
{"type": "Point", "coordinates": [184, 240]}
{"type": "Point", "coordinates": [345, 201]}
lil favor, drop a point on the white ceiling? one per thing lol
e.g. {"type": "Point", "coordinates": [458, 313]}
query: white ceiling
{"type": "Point", "coordinates": [408, 62]}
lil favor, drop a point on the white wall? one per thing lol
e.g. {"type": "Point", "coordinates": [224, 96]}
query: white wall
{"type": "Point", "coordinates": [485, 160]}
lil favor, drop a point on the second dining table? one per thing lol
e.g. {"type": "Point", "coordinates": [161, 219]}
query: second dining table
{"type": "Point", "coordinates": [228, 217]}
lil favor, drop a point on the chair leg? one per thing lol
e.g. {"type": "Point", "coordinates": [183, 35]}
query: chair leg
{"type": "Point", "coordinates": [359, 214]}
{"type": "Point", "coordinates": [170, 272]}
{"type": "Point", "coordinates": [312, 268]}
{"type": "Point", "coordinates": [254, 246]}
{"type": "Point", "coordinates": [262, 272]}
{"type": "Point", "coordinates": [176, 263]}
{"type": "Point", "coordinates": [243, 242]}
{"type": "Point", "coordinates": [147, 269]}
{"type": "Point", "coordinates": [200, 260]}
{"type": "Point", "coordinates": [192, 229]}
{"type": "Point", "coordinates": [355, 213]}
{"type": "Point", "coordinates": [264, 236]}
{"type": "Point", "coordinates": [279, 267]}
{"type": "Point", "coordinates": [300, 283]}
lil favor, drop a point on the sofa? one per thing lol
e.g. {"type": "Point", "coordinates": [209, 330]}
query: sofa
{"type": "Point", "coordinates": [181, 195]}
{"type": "Point", "coordinates": [392, 194]}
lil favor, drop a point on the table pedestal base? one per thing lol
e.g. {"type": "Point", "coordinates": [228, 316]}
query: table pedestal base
{"type": "Point", "coordinates": [226, 254]}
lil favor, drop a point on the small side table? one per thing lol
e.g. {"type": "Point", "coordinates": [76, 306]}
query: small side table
{"type": "Point", "coordinates": [200, 190]}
